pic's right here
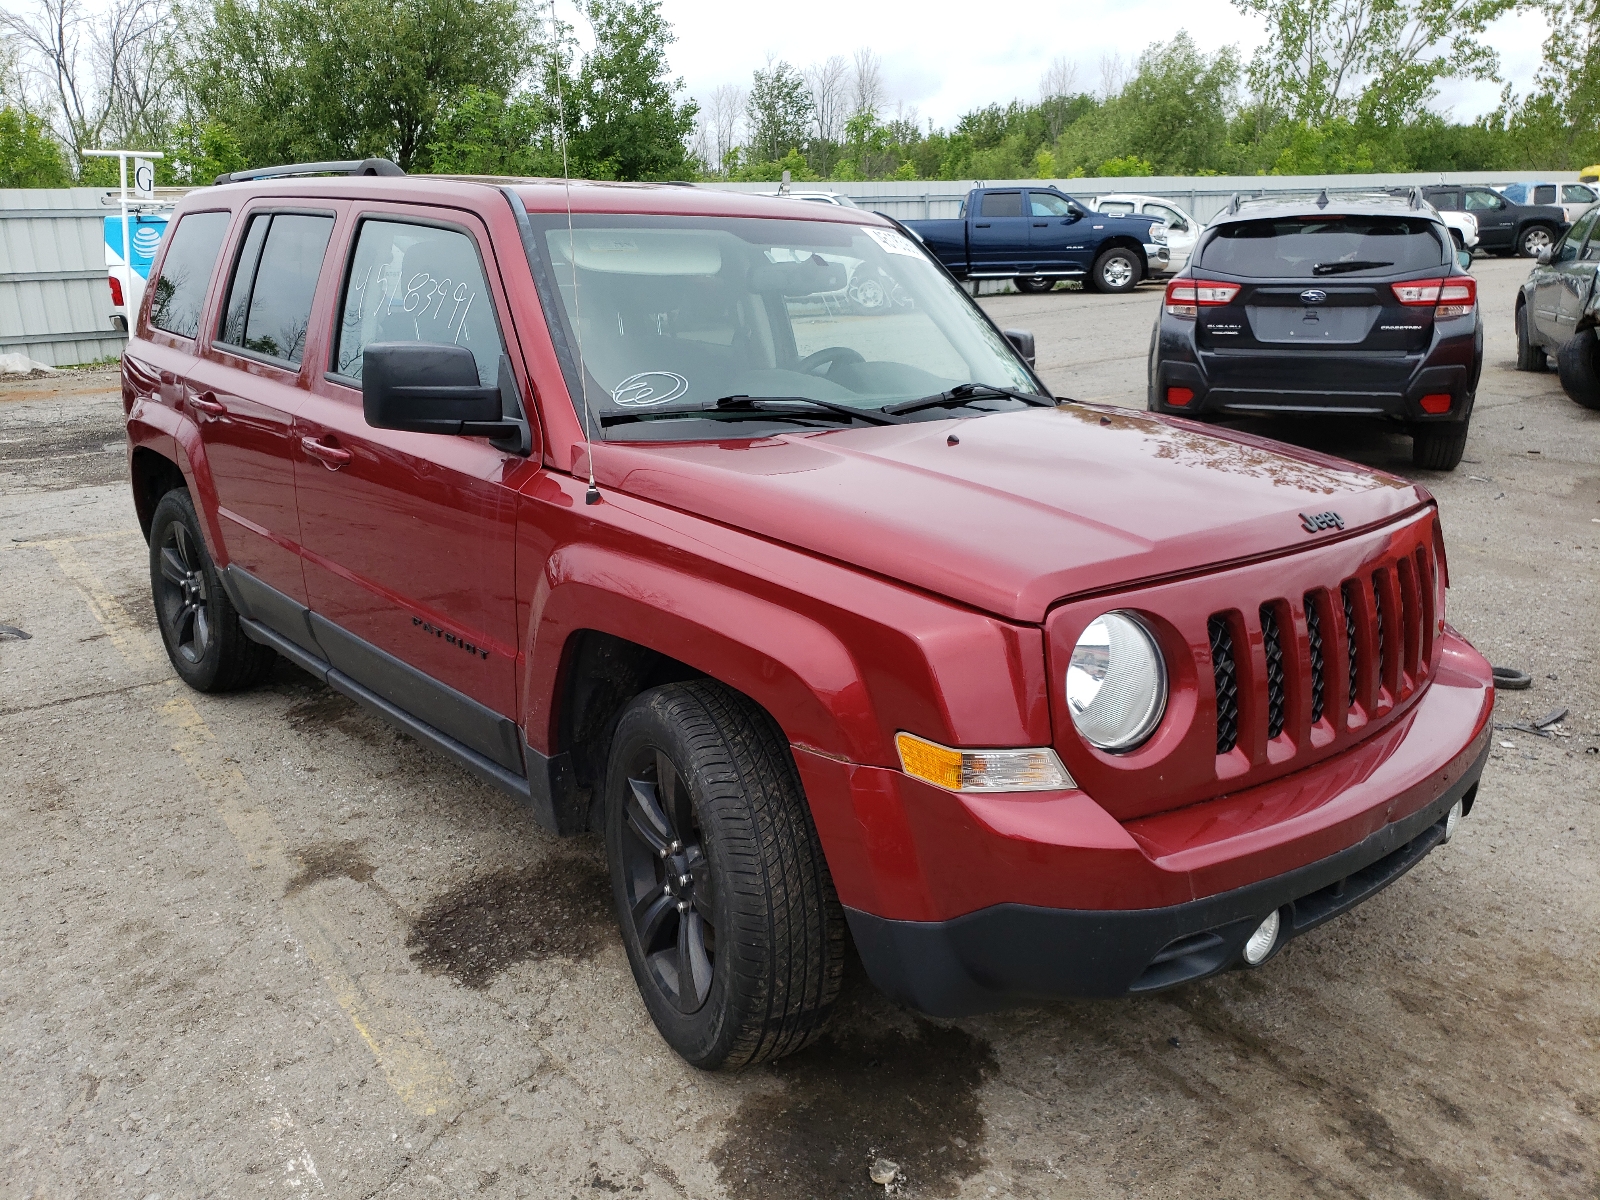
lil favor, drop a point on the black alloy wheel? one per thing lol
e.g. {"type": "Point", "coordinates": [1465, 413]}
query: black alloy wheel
{"type": "Point", "coordinates": [670, 893]}
{"type": "Point", "coordinates": [199, 625]}
{"type": "Point", "coordinates": [728, 914]}
{"type": "Point", "coordinates": [1033, 284]}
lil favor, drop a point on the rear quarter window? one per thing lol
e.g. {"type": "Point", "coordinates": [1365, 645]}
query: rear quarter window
{"type": "Point", "coordinates": [180, 290]}
{"type": "Point", "coordinates": [1310, 248]}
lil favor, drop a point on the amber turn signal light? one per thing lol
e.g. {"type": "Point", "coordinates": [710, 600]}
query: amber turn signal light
{"type": "Point", "coordinates": [1029, 770]}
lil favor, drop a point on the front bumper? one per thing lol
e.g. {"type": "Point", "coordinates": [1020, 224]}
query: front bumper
{"type": "Point", "coordinates": [1012, 953]}
{"type": "Point", "coordinates": [1159, 258]}
{"type": "Point", "coordinates": [966, 903]}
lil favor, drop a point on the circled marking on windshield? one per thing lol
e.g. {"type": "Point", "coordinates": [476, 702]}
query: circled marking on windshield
{"type": "Point", "coordinates": [649, 388]}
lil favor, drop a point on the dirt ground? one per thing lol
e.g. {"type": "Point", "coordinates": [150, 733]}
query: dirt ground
{"type": "Point", "coordinates": [264, 945]}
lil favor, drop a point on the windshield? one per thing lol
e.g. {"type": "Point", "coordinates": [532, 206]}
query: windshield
{"type": "Point", "coordinates": [1315, 247]}
{"type": "Point", "coordinates": [678, 313]}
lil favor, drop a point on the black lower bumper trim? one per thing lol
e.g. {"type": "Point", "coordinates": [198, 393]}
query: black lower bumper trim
{"type": "Point", "coordinates": [1013, 953]}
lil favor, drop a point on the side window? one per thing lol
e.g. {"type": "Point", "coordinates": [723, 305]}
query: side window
{"type": "Point", "coordinates": [1584, 229]}
{"type": "Point", "coordinates": [1576, 193]}
{"type": "Point", "coordinates": [180, 292]}
{"type": "Point", "coordinates": [1544, 194]}
{"type": "Point", "coordinates": [1002, 204]}
{"type": "Point", "coordinates": [1572, 243]}
{"type": "Point", "coordinates": [1116, 207]}
{"type": "Point", "coordinates": [1174, 222]}
{"type": "Point", "coordinates": [1483, 200]}
{"type": "Point", "coordinates": [274, 282]}
{"type": "Point", "coordinates": [1044, 204]}
{"type": "Point", "coordinates": [416, 283]}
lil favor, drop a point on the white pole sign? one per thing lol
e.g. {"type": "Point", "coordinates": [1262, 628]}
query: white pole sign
{"type": "Point", "coordinates": [144, 179]}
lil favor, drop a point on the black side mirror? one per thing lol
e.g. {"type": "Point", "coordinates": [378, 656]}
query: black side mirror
{"type": "Point", "coordinates": [426, 388]}
{"type": "Point", "coordinates": [1022, 342]}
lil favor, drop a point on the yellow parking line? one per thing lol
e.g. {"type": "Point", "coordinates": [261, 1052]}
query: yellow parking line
{"type": "Point", "coordinates": [412, 1065]}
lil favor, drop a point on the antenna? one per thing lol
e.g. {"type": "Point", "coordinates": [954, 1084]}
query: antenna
{"type": "Point", "coordinates": [592, 496]}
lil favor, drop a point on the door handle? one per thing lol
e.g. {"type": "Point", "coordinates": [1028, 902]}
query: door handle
{"type": "Point", "coordinates": [332, 457]}
{"type": "Point", "coordinates": [1041, 224]}
{"type": "Point", "coordinates": [207, 403]}
{"type": "Point", "coordinates": [981, 225]}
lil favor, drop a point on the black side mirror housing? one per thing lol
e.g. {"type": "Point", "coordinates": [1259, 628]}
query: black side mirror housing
{"type": "Point", "coordinates": [423, 387]}
{"type": "Point", "coordinates": [1022, 342]}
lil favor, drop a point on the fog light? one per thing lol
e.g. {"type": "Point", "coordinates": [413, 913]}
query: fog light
{"type": "Point", "coordinates": [1179, 397]}
{"type": "Point", "coordinates": [1452, 819]}
{"type": "Point", "coordinates": [1436, 402]}
{"type": "Point", "coordinates": [1262, 940]}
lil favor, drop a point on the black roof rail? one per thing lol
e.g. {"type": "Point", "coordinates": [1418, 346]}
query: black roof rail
{"type": "Point", "coordinates": [363, 166]}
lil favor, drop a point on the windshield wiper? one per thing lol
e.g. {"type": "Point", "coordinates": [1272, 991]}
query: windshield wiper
{"type": "Point", "coordinates": [1339, 268]}
{"type": "Point", "coordinates": [743, 408]}
{"type": "Point", "coordinates": [963, 393]}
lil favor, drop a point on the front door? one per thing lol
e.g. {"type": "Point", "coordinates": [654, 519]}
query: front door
{"type": "Point", "coordinates": [409, 537]}
{"type": "Point", "coordinates": [1055, 240]}
{"type": "Point", "coordinates": [998, 243]}
{"type": "Point", "coordinates": [1497, 220]}
{"type": "Point", "coordinates": [244, 390]}
{"type": "Point", "coordinates": [1576, 275]}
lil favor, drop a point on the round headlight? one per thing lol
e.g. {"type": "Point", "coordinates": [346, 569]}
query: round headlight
{"type": "Point", "coordinates": [1116, 682]}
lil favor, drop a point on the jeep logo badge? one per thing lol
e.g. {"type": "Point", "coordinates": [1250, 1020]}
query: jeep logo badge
{"type": "Point", "coordinates": [1313, 296]}
{"type": "Point", "coordinates": [1316, 522]}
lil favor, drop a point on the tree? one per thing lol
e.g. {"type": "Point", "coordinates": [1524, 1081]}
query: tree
{"type": "Point", "coordinates": [828, 84]}
{"type": "Point", "coordinates": [723, 111]}
{"type": "Point", "coordinates": [300, 80]}
{"type": "Point", "coordinates": [1376, 60]}
{"type": "Point", "coordinates": [29, 156]}
{"type": "Point", "coordinates": [866, 82]}
{"type": "Point", "coordinates": [1558, 123]}
{"type": "Point", "coordinates": [778, 110]}
{"type": "Point", "coordinates": [1175, 109]}
{"type": "Point", "coordinates": [1055, 91]}
{"type": "Point", "coordinates": [482, 133]}
{"type": "Point", "coordinates": [629, 123]}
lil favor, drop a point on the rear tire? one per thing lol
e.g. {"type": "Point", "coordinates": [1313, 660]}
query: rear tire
{"type": "Point", "coordinates": [1033, 284]}
{"type": "Point", "coordinates": [1117, 270]}
{"type": "Point", "coordinates": [742, 963]}
{"type": "Point", "coordinates": [1580, 374]}
{"type": "Point", "coordinates": [1529, 356]}
{"type": "Point", "coordinates": [1438, 447]}
{"type": "Point", "coordinates": [1534, 239]}
{"type": "Point", "coordinates": [199, 625]}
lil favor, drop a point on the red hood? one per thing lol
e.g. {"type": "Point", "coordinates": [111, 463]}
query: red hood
{"type": "Point", "coordinates": [1028, 508]}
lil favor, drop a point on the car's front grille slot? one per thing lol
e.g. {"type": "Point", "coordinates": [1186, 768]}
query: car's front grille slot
{"type": "Point", "coordinates": [1382, 664]}
{"type": "Point", "coordinates": [1272, 646]}
{"type": "Point", "coordinates": [1226, 672]}
{"type": "Point", "coordinates": [1318, 667]}
{"type": "Point", "coordinates": [1350, 642]}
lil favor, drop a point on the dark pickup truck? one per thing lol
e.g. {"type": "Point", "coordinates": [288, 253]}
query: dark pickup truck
{"type": "Point", "coordinates": [1039, 236]}
{"type": "Point", "coordinates": [1503, 227]}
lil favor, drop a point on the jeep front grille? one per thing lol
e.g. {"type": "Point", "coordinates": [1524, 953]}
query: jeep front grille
{"type": "Point", "coordinates": [1388, 632]}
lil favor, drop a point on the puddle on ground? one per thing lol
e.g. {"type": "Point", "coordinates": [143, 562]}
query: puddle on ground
{"type": "Point", "coordinates": [323, 709]}
{"type": "Point", "coordinates": [864, 1091]}
{"type": "Point", "coordinates": [336, 860]}
{"type": "Point", "coordinates": [560, 908]}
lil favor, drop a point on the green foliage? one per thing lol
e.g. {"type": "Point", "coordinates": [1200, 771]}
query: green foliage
{"type": "Point", "coordinates": [29, 156]}
{"type": "Point", "coordinates": [483, 133]}
{"type": "Point", "coordinates": [771, 170]}
{"type": "Point", "coordinates": [778, 110]}
{"type": "Point", "coordinates": [1129, 164]}
{"type": "Point", "coordinates": [299, 80]}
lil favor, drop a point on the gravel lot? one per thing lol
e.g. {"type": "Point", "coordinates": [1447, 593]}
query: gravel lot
{"type": "Point", "coordinates": [264, 945]}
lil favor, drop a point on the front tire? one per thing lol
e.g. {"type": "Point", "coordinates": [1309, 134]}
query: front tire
{"type": "Point", "coordinates": [1438, 447]}
{"type": "Point", "coordinates": [1580, 375]}
{"type": "Point", "coordinates": [1534, 239]}
{"type": "Point", "coordinates": [199, 625]}
{"type": "Point", "coordinates": [1115, 271]}
{"type": "Point", "coordinates": [1529, 356]}
{"type": "Point", "coordinates": [1033, 284]}
{"type": "Point", "coordinates": [728, 913]}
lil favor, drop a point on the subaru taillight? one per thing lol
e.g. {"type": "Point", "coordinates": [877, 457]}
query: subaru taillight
{"type": "Point", "coordinates": [116, 291]}
{"type": "Point", "coordinates": [1453, 297]}
{"type": "Point", "coordinates": [1186, 297]}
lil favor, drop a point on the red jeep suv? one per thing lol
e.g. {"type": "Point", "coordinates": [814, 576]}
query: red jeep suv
{"type": "Point", "coordinates": [826, 620]}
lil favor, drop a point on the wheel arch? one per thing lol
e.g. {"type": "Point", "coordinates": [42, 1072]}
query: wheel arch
{"type": "Point", "coordinates": [1123, 241]}
{"type": "Point", "coordinates": [153, 475]}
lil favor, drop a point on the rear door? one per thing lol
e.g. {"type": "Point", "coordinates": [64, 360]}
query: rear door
{"type": "Point", "coordinates": [1055, 239]}
{"type": "Point", "coordinates": [409, 537]}
{"type": "Point", "coordinates": [999, 240]}
{"type": "Point", "coordinates": [244, 390]}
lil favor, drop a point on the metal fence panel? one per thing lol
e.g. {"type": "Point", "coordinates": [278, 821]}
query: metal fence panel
{"type": "Point", "coordinates": [55, 302]}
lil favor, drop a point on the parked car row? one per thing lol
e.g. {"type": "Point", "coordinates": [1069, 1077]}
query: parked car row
{"type": "Point", "coordinates": [835, 628]}
{"type": "Point", "coordinates": [1557, 310]}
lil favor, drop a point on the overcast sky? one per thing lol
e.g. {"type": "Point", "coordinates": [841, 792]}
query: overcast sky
{"type": "Point", "coordinates": [945, 60]}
